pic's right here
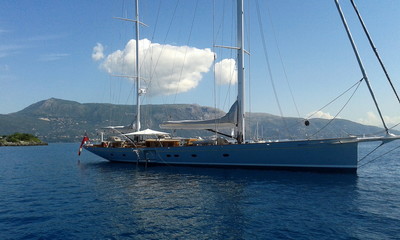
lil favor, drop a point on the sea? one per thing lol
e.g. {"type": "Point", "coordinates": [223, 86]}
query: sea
{"type": "Point", "coordinates": [49, 192]}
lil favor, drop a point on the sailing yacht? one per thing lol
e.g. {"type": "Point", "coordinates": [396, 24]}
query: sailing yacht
{"type": "Point", "coordinates": [155, 147]}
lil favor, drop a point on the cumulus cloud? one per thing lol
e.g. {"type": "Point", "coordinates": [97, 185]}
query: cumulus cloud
{"type": "Point", "coordinates": [320, 114]}
{"type": "Point", "coordinates": [226, 72]}
{"type": "Point", "coordinates": [168, 69]}
{"type": "Point", "coordinates": [98, 52]}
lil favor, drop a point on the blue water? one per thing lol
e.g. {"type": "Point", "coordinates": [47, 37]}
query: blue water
{"type": "Point", "coordinates": [48, 192]}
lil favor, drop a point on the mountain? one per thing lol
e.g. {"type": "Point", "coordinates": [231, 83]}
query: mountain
{"type": "Point", "coordinates": [57, 120]}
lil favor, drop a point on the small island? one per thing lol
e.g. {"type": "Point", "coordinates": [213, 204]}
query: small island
{"type": "Point", "coordinates": [20, 139]}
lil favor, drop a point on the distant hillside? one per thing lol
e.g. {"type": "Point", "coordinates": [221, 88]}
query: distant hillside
{"type": "Point", "coordinates": [56, 120]}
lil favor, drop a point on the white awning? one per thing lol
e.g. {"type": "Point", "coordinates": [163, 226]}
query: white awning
{"type": "Point", "coordinates": [227, 121]}
{"type": "Point", "coordinates": [147, 132]}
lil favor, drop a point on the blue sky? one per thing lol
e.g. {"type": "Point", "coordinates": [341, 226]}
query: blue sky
{"type": "Point", "coordinates": [47, 47]}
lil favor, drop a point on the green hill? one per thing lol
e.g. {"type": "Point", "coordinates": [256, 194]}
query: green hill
{"type": "Point", "coordinates": [56, 120]}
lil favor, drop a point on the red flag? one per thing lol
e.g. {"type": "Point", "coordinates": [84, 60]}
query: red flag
{"type": "Point", "coordinates": [84, 140]}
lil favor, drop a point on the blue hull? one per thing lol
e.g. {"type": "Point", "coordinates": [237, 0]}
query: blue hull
{"type": "Point", "coordinates": [330, 155]}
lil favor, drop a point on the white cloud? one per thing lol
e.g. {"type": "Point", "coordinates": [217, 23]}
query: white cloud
{"type": "Point", "coordinates": [98, 52]}
{"type": "Point", "coordinates": [375, 120]}
{"type": "Point", "coordinates": [320, 114]}
{"type": "Point", "coordinates": [370, 119]}
{"type": "Point", "coordinates": [226, 72]}
{"type": "Point", "coordinates": [11, 49]}
{"type": "Point", "coordinates": [168, 69]}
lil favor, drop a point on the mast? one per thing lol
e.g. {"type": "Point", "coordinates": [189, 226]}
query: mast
{"type": "Point", "coordinates": [241, 85]}
{"type": "Point", "coordinates": [139, 91]}
{"type": "Point", "coordinates": [364, 73]}
{"type": "Point", "coordinates": [137, 125]}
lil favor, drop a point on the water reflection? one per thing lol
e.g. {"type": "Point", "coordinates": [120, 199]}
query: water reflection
{"type": "Point", "coordinates": [49, 194]}
{"type": "Point", "coordinates": [214, 203]}
{"type": "Point", "coordinates": [160, 202]}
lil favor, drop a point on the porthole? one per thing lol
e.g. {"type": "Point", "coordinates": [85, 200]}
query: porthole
{"type": "Point", "coordinates": [176, 155]}
{"type": "Point", "coordinates": [225, 155]}
{"type": "Point", "coordinates": [168, 155]}
{"type": "Point", "coordinates": [194, 155]}
{"type": "Point", "coordinates": [124, 155]}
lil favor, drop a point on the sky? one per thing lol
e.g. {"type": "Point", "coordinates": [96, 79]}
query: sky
{"type": "Point", "coordinates": [75, 50]}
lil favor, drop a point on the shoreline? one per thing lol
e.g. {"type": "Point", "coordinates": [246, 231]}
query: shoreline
{"type": "Point", "coordinates": [22, 144]}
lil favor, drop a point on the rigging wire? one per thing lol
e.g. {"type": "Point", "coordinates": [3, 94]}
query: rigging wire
{"type": "Point", "coordinates": [117, 99]}
{"type": "Point", "coordinates": [355, 84]}
{"type": "Point", "coordinates": [373, 150]}
{"type": "Point", "coordinates": [269, 66]}
{"type": "Point", "coordinates": [214, 77]}
{"type": "Point", "coordinates": [164, 40]}
{"type": "Point", "coordinates": [378, 156]}
{"type": "Point", "coordinates": [215, 36]}
{"type": "Point", "coordinates": [149, 51]}
{"type": "Point", "coordinates": [397, 124]}
{"type": "Point", "coordinates": [221, 30]}
{"type": "Point", "coordinates": [361, 65]}
{"type": "Point", "coordinates": [282, 62]}
{"type": "Point", "coordinates": [330, 121]}
{"type": "Point", "coordinates": [216, 88]}
{"type": "Point", "coordinates": [185, 55]}
{"type": "Point", "coordinates": [374, 49]}
{"type": "Point", "coordinates": [249, 79]}
{"type": "Point", "coordinates": [162, 49]}
{"type": "Point", "coordinates": [232, 36]}
{"type": "Point", "coordinates": [383, 131]}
